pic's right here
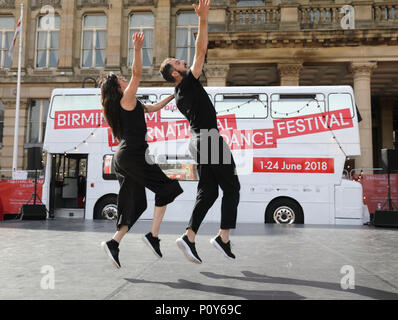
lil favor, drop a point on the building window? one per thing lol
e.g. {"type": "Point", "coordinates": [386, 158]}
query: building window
{"type": "Point", "coordinates": [94, 41]}
{"type": "Point", "coordinates": [1, 122]}
{"type": "Point", "coordinates": [6, 35]}
{"type": "Point", "coordinates": [246, 3]}
{"type": "Point", "coordinates": [47, 42]}
{"type": "Point", "coordinates": [37, 121]}
{"type": "Point", "coordinates": [187, 25]}
{"type": "Point", "coordinates": [142, 22]}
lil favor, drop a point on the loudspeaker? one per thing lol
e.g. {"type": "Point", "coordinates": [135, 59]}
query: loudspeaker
{"type": "Point", "coordinates": [33, 212]}
{"type": "Point", "coordinates": [35, 158]}
{"type": "Point", "coordinates": [389, 160]}
{"type": "Point", "coordinates": [385, 218]}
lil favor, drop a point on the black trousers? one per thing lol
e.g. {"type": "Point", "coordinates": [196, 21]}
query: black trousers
{"type": "Point", "coordinates": [135, 174]}
{"type": "Point", "coordinates": [211, 177]}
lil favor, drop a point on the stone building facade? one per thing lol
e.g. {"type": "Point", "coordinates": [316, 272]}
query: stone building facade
{"type": "Point", "coordinates": [261, 43]}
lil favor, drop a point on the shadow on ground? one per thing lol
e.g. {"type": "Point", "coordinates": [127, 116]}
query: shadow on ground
{"type": "Point", "coordinates": [267, 294]}
{"type": "Point", "coordinates": [240, 293]}
{"type": "Point", "coordinates": [259, 278]}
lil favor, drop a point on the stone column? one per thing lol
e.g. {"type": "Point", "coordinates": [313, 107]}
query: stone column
{"type": "Point", "coordinates": [290, 73]}
{"type": "Point", "coordinates": [362, 76]}
{"type": "Point", "coordinates": [65, 60]}
{"type": "Point", "coordinates": [162, 31]}
{"type": "Point", "coordinates": [216, 74]}
{"type": "Point", "coordinates": [114, 35]}
{"type": "Point", "coordinates": [8, 133]}
{"type": "Point", "coordinates": [387, 116]}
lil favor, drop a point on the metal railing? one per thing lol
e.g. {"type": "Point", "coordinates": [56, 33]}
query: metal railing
{"type": "Point", "coordinates": [327, 16]}
{"type": "Point", "coordinates": [362, 170]}
{"type": "Point", "coordinates": [385, 14]}
{"type": "Point", "coordinates": [252, 18]}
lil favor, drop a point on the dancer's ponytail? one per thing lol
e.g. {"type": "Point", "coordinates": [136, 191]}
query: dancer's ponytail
{"type": "Point", "coordinates": [110, 100]}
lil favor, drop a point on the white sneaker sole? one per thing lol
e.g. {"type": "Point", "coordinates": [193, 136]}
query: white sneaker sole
{"type": "Point", "coordinates": [109, 254]}
{"type": "Point", "coordinates": [218, 247]}
{"type": "Point", "coordinates": [187, 251]}
{"type": "Point", "coordinates": [150, 246]}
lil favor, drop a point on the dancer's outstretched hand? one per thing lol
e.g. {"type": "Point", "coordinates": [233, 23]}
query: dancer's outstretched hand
{"type": "Point", "coordinates": [203, 10]}
{"type": "Point", "coordinates": [138, 40]}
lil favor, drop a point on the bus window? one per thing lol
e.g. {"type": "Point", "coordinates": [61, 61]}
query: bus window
{"type": "Point", "coordinates": [147, 98]}
{"type": "Point", "coordinates": [339, 101]}
{"type": "Point", "coordinates": [243, 106]}
{"type": "Point", "coordinates": [170, 111]}
{"type": "Point", "coordinates": [75, 102]}
{"type": "Point", "coordinates": [296, 105]}
{"type": "Point", "coordinates": [108, 172]}
{"type": "Point", "coordinates": [180, 171]}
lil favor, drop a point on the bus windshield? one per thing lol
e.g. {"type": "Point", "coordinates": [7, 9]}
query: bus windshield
{"type": "Point", "coordinates": [75, 102]}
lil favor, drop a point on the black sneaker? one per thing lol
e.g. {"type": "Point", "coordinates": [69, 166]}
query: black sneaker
{"type": "Point", "coordinates": [225, 248]}
{"type": "Point", "coordinates": [153, 243]}
{"type": "Point", "coordinates": [188, 248]}
{"type": "Point", "coordinates": [112, 251]}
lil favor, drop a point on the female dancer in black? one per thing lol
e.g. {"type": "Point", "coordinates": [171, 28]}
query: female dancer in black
{"type": "Point", "coordinates": [134, 170]}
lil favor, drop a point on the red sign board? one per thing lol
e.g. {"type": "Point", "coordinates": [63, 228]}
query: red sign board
{"type": "Point", "coordinates": [375, 190]}
{"type": "Point", "coordinates": [294, 165]}
{"type": "Point", "coordinates": [15, 193]}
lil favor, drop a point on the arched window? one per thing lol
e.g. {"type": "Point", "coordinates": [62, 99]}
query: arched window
{"type": "Point", "coordinates": [37, 121]}
{"type": "Point", "coordinates": [187, 25]}
{"type": "Point", "coordinates": [142, 22]}
{"type": "Point", "coordinates": [47, 42]}
{"type": "Point", "coordinates": [94, 41]}
{"type": "Point", "coordinates": [6, 35]}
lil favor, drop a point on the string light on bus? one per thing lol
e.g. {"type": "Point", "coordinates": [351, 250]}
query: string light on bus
{"type": "Point", "coordinates": [85, 141]}
{"type": "Point", "coordinates": [298, 110]}
{"type": "Point", "coordinates": [265, 106]}
{"type": "Point", "coordinates": [92, 134]}
{"type": "Point", "coordinates": [240, 105]}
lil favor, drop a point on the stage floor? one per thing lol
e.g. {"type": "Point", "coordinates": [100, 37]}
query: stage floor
{"type": "Point", "coordinates": [273, 262]}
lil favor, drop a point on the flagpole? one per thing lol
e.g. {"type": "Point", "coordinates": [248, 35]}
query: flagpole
{"type": "Point", "coordinates": [16, 129]}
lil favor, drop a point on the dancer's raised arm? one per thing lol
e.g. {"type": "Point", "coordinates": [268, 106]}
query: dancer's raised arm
{"type": "Point", "coordinates": [202, 38]}
{"type": "Point", "coordinates": [149, 108]}
{"type": "Point", "coordinates": [129, 100]}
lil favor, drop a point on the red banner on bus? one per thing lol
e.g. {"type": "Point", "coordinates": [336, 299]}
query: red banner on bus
{"type": "Point", "coordinates": [79, 119]}
{"type": "Point", "coordinates": [314, 123]}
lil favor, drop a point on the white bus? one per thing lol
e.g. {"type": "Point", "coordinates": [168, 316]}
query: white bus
{"type": "Point", "coordinates": [290, 145]}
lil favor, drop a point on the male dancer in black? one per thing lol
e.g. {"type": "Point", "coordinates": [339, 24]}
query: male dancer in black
{"type": "Point", "coordinates": [194, 103]}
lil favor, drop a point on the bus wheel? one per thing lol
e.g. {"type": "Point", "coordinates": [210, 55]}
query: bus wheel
{"type": "Point", "coordinates": [284, 211]}
{"type": "Point", "coordinates": [106, 208]}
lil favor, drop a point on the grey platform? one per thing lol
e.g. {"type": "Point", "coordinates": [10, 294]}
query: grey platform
{"type": "Point", "coordinates": [273, 262]}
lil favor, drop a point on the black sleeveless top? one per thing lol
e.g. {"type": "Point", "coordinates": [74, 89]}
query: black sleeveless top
{"type": "Point", "coordinates": [134, 129]}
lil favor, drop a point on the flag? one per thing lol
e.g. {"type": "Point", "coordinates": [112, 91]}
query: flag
{"type": "Point", "coordinates": [17, 31]}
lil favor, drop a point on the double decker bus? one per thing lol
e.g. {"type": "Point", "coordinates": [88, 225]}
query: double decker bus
{"type": "Point", "coordinates": [290, 145]}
